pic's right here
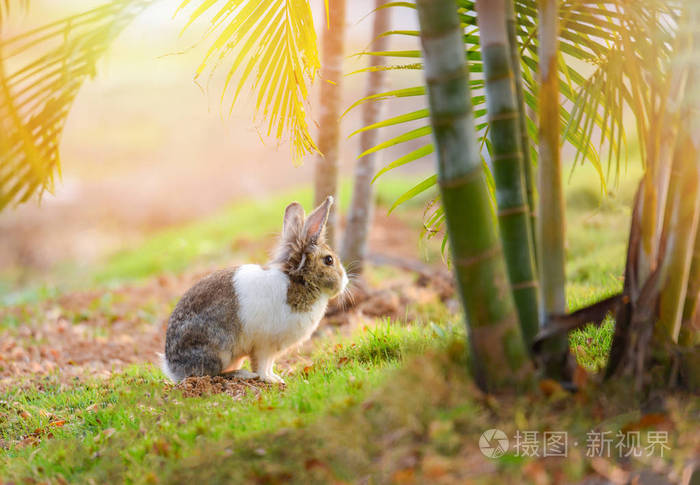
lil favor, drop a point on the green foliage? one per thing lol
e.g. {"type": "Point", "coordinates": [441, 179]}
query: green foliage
{"type": "Point", "coordinates": [604, 74]}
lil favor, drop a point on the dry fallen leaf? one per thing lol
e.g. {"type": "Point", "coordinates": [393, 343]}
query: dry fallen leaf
{"type": "Point", "coordinates": [550, 387]}
{"type": "Point", "coordinates": [651, 420]}
{"type": "Point", "coordinates": [405, 476]}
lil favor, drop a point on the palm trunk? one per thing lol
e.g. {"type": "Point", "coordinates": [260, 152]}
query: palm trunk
{"type": "Point", "coordinates": [354, 247]}
{"type": "Point", "coordinates": [551, 220]}
{"type": "Point", "coordinates": [522, 119]}
{"type": "Point", "coordinates": [640, 347]}
{"type": "Point", "coordinates": [499, 358]}
{"type": "Point", "coordinates": [690, 327]}
{"type": "Point", "coordinates": [682, 214]}
{"type": "Point", "coordinates": [326, 177]}
{"type": "Point", "coordinates": [661, 143]}
{"type": "Point", "coordinates": [504, 133]}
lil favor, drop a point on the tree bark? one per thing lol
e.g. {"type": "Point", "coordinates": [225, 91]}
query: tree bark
{"type": "Point", "coordinates": [690, 327]}
{"type": "Point", "coordinates": [498, 355]}
{"type": "Point", "coordinates": [326, 176]}
{"type": "Point", "coordinates": [354, 247]}
{"type": "Point", "coordinates": [682, 214]}
{"type": "Point", "coordinates": [507, 163]}
{"type": "Point", "coordinates": [551, 227]}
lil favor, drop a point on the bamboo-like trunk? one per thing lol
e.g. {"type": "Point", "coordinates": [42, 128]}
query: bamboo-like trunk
{"type": "Point", "coordinates": [690, 327]}
{"type": "Point", "coordinates": [354, 246]}
{"type": "Point", "coordinates": [661, 142]}
{"type": "Point", "coordinates": [522, 120]}
{"type": "Point", "coordinates": [655, 269]}
{"type": "Point", "coordinates": [499, 358]}
{"type": "Point", "coordinates": [326, 176]}
{"type": "Point", "coordinates": [507, 163]}
{"type": "Point", "coordinates": [689, 336]}
{"type": "Point", "coordinates": [682, 215]}
{"type": "Point", "coordinates": [551, 227]}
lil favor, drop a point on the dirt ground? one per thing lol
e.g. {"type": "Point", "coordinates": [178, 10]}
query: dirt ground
{"type": "Point", "coordinates": [98, 332]}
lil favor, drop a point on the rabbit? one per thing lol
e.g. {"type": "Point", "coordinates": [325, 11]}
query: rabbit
{"type": "Point", "coordinates": [257, 311]}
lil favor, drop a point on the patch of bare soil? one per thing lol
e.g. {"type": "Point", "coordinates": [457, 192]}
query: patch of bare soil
{"type": "Point", "coordinates": [207, 385]}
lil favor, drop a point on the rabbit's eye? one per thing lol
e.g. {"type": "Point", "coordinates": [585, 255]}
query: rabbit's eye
{"type": "Point", "coordinates": [328, 260]}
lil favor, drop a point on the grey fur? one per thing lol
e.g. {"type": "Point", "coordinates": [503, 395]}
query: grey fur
{"type": "Point", "coordinates": [204, 323]}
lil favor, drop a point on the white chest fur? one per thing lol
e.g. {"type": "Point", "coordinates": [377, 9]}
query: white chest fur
{"type": "Point", "coordinates": [266, 318]}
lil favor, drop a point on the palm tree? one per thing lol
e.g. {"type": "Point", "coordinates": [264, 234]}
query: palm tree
{"type": "Point", "coordinates": [326, 175]}
{"type": "Point", "coordinates": [499, 358]}
{"type": "Point", "coordinates": [354, 247]}
{"type": "Point", "coordinates": [507, 163]}
{"type": "Point", "coordinates": [659, 270]}
{"type": "Point", "coordinates": [525, 143]}
{"type": "Point", "coordinates": [550, 210]}
{"type": "Point", "coordinates": [690, 326]}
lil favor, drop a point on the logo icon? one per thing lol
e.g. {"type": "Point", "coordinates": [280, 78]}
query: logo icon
{"type": "Point", "coordinates": [493, 443]}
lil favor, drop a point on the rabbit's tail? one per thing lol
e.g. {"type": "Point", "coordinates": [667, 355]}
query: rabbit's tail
{"type": "Point", "coordinates": [165, 367]}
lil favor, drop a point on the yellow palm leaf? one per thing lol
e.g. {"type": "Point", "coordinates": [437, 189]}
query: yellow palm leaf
{"type": "Point", "coordinates": [41, 72]}
{"type": "Point", "coordinates": [276, 39]}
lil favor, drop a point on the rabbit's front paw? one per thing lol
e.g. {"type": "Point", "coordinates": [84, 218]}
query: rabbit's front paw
{"type": "Point", "coordinates": [272, 378]}
{"type": "Point", "coordinates": [241, 374]}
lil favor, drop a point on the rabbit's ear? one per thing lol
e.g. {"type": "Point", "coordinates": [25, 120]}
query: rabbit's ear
{"type": "Point", "coordinates": [316, 222]}
{"type": "Point", "coordinates": [293, 221]}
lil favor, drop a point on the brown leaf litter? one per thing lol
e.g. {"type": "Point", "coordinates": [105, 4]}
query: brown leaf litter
{"type": "Point", "coordinates": [208, 385]}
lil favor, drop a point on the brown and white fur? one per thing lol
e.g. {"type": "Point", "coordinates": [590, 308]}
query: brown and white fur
{"type": "Point", "coordinates": [256, 311]}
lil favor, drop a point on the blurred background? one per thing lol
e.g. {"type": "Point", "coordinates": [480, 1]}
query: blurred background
{"type": "Point", "coordinates": [146, 147]}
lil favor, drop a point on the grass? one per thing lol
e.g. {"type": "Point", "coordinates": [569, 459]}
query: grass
{"type": "Point", "coordinates": [73, 425]}
{"type": "Point", "coordinates": [390, 404]}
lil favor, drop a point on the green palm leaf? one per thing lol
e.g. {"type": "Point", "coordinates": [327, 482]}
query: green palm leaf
{"type": "Point", "coordinates": [603, 73]}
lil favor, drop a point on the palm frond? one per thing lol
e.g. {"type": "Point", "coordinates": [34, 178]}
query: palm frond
{"type": "Point", "coordinates": [9, 6]}
{"type": "Point", "coordinates": [41, 72]}
{"type": "Point", "coordinates": [613, 53]}
{"type": "Point", "coordinates": [276, 40]}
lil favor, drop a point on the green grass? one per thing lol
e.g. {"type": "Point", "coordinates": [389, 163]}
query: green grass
{"type": "Point", "coordinates": [135, 409]}
{"type": "Point", "coordinates": [383, 405]}
{"type": "Point", "coordinates": [365, 405]}
{"type": "Point", "coordinates": [597, 230]}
